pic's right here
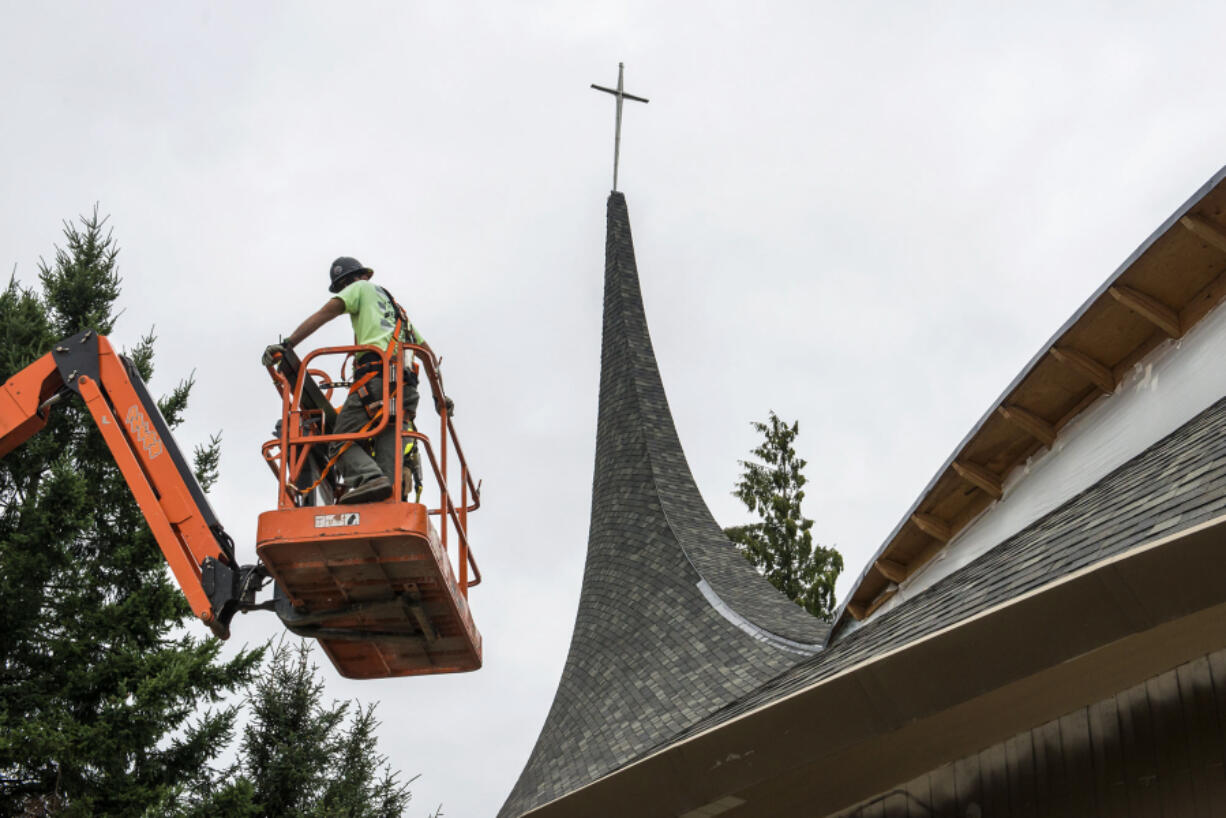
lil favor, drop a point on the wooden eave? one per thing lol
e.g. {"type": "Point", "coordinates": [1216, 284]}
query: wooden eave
{"type": "Point", "coordinates": [1164, 288]}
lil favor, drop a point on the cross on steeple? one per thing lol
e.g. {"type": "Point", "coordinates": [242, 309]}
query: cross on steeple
{"type": "Point", "coordinates": [620, 94]}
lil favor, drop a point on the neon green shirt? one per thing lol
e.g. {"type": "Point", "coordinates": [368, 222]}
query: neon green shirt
{"type": "Point", "coordinates": [372, 314]}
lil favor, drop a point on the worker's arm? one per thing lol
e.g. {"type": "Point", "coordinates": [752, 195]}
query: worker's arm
{"type": "Point", "coordinates": [416, 338]}
{"type": "Point", "coordinates": [422, 343]}
{"type": "Point", "coordinates": [323, 315]}
{"type": "Point", "coordinates": [317, 319]}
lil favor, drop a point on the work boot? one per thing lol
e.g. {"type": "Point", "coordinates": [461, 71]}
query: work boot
{"type": "Point", "coordinates": [372, 491]}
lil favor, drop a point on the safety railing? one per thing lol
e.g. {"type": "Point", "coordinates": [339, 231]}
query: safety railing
{"type": "Point", "coordinates": [305, 409]}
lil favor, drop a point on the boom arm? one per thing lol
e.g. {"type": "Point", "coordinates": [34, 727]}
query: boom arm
{"type": "Point", "coordinates": [197, 548]}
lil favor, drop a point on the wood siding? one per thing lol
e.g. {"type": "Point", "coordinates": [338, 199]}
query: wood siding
{"type": "Point", "coordinates": [1156, 749]}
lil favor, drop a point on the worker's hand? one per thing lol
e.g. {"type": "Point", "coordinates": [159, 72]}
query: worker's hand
{"type": "Point", "coordinates": [272, 354]}
{"type": "Point", "coordinates": [450, 406]}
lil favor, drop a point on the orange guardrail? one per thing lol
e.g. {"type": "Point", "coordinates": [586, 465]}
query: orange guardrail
{"type": "Point", "coordinates": [302, 428]}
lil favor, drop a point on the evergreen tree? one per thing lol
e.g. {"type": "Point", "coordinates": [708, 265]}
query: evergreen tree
{"type": "Point", "coordinates": [302, 758]}
{"type": "Point", "coordinates": [781, 545]}
{"type": "Point", "coordinates": [298, 757]}
{"type": "Point", "coordinates": [102, 668]}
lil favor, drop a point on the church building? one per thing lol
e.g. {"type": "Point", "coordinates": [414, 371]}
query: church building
{"type": "Point", "coordinates": [1042, 633]}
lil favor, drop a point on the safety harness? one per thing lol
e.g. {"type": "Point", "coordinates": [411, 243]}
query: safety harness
{"type": "Point", "coordinates": [372, 401]}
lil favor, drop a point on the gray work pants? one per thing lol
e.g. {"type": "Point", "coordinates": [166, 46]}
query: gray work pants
{"type": "Point", "coordinates": [356, 464]}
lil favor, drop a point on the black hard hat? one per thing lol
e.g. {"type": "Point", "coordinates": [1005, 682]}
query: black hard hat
{"type": "Point", "coordinates": [343, 270]}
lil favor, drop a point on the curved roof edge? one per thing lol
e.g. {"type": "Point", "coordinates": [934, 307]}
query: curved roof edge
{"type": "Point", "coordinates": [713, 556]}
{"type": "Point", "coordinates": [673, 623]}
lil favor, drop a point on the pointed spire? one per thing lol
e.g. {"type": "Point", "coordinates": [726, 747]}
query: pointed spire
{"type": "Point", "coordinates": [673, 622]}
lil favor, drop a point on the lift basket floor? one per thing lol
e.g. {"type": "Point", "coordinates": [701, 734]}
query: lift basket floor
{"type": "Point", "coordinates": [373, 584]}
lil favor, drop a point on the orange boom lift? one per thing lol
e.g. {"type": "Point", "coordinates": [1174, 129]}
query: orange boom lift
{"type": "Point", "coordinates": [374, 582]}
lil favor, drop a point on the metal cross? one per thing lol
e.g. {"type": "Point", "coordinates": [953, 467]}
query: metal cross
{"type": "Point", "coordinates": [620, 94]}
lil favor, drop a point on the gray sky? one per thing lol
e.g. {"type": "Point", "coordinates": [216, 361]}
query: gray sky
{"type": "Point", "coordinates": [865, 216]}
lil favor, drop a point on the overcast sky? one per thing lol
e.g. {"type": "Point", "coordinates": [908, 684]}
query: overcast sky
{"type": "Point", "coordinates": [865, 216]}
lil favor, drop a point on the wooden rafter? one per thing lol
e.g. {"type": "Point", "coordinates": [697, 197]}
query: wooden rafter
{"type": "Point", "coordinates": [1090, 369]}
{"type": "Point", "coordinates": [1209, 297]}
{"type": "Point", "coordinates": [1029, 423]}
{"type": "Point", "coordinates": [980, 477]}
{"type": "Point", "coordinates": [932, 526]}
{"type": "Point", "coordinates": [881, 598]}
{"type": "Point", "coordinates": [1149, 308]}
{"type": "Point", "coordinates": [1206, 230]}
{"type": "Point", "coordinates": [1182, 259]}
{"type": "Point", "coordinates": [892, 570]}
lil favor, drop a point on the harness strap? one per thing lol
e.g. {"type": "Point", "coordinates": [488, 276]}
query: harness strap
{"type": "Point", "coordinates": [370, 367]}
{"type": "Point", "coordinates": [361, 382]}
{"type": "Point", "coordinates": [332, 460]}
{"type": "Point", "coordinates": [374, 408]}
{"type": "Point", "coordinates": [401, 315]}
{"type": "Point", "coordinates": [364, 373]}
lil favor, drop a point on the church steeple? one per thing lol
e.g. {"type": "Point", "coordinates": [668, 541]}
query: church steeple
{"type": "Point", "coordinates": [673, 623]}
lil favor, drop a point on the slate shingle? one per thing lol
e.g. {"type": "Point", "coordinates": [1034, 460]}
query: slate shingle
{"type": "Point", "coordinates": [650, 655]}
{"type": "Point", "coordinates": [1177, 483]}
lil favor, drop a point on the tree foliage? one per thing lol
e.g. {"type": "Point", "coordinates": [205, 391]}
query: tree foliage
{"type": "Point", "coordinates": [781, 545]}
{"type": "Point", "coordinates": [110, 703]}
{"type": "Point", "coordinates": [307, 758]}
{"type": "Point", "coordinates": [101, 686]}
{"type": "Point", "coordinates": [298, 756]}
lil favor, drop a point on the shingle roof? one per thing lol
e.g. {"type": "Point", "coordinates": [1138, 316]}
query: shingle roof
{"type": "Point", "coordinates": [1176, 484]}
{"type": "Point", "coordinates": [673, 624]}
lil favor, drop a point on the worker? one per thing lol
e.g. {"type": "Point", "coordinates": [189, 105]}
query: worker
{"type": "Point", "coordinates": [374, 314]}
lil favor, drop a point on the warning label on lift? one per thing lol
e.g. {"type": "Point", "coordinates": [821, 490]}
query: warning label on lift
{"type": "Point", "coordinates": [334, 520]}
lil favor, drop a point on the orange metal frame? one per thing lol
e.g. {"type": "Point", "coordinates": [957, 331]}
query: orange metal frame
{"type": "Point", "coordinates": [288, 453]}
{"type": "Point", "coordinates": [125, 420]}
{"type": "Point", "coordinates": [197, 549]}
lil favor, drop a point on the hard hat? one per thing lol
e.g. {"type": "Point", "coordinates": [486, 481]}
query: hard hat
{"type": "Point", "coordinates": [343, 270]}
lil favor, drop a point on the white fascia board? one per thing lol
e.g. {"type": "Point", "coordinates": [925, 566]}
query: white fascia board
{"type": "Point", "coordinates": [1173, 384]}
